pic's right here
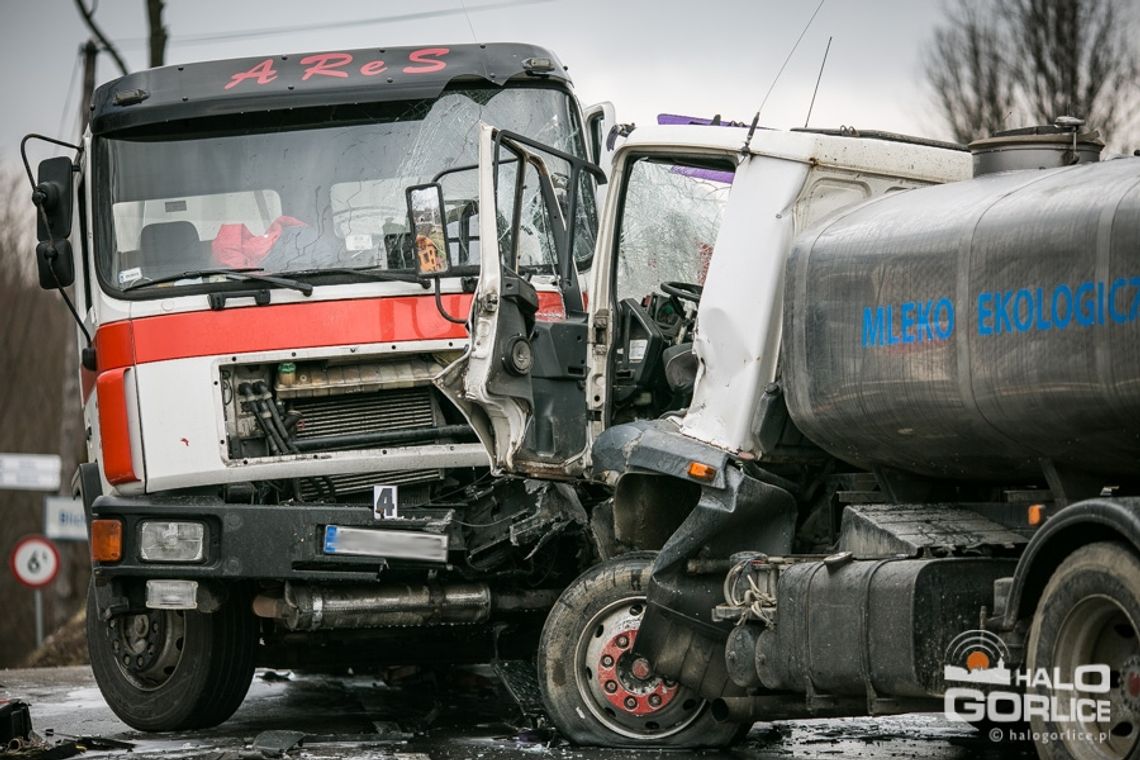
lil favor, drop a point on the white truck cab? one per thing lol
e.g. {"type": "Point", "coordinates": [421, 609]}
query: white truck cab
{"type": "Point", "coordinates": [716, 207]}
{"type": "Point", "coordinates": [683, 326]}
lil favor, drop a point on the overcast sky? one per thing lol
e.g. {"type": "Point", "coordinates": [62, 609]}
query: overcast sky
{"type": "Point", "coordinates": [646, 56]}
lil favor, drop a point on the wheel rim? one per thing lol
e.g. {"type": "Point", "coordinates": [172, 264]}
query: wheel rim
{"type": "Point", "coordinates": [147, 647]}
{"type": "Point", "coordinates": [619, 690]}
{"type": "Point", "coordinates": [1098, 631]}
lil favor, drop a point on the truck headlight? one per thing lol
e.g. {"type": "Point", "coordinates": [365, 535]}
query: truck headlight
{"type": "Point", "coordinates": [168, 541]}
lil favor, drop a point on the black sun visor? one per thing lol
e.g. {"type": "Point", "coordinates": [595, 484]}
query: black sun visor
{"type": "Point", "coordinates": [302, 80]}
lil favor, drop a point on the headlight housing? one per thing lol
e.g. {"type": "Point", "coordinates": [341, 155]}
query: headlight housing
{"type": "Point", "coordinates": [172, 541]}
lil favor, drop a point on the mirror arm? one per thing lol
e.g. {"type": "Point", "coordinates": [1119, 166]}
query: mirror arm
{"type": "Point", "coordinates": [33, 136]}
{"type": "Point", "coordinates": [53, 254]}
{"type": "Point", "coordinates": [39, 198]}
{"type": "Point", "coordinates": [442, 311]}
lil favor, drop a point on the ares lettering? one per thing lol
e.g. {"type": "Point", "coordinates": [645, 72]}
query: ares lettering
{"type": "Point", "coordinates": [342, 66]}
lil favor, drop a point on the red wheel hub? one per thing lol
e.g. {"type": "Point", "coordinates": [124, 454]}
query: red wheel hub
{"type": "Point", "coordinates": [628, 682]}
{"type": "Point", "coordinates": [1130, 684]}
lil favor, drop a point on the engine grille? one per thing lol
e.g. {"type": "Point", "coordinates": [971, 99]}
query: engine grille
{"type": "Point", "coordinates": [366, 413]}
{"type": "Point", "coordinates": [351, 485]}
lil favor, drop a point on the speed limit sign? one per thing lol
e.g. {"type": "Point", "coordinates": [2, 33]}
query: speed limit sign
{"type": "Point", "coordinates": [34, 561]}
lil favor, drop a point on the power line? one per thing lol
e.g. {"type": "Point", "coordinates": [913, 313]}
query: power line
{"type": "Point", "coordinates": [198, 39]}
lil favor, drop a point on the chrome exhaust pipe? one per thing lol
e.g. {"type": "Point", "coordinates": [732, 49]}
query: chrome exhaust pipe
{"type": "Point", "coordinates": [312, 608]}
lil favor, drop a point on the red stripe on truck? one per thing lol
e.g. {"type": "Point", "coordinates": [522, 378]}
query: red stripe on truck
{"type": "Point", "coordinates": [392, 319]}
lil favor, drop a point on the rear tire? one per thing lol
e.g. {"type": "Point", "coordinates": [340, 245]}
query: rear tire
{"type": "Point", "coordinates": [1089, 614]}
{"type": "Point", "coordinates": [167, 670]}
{"type": "Point", "coordinates": [592, 687]}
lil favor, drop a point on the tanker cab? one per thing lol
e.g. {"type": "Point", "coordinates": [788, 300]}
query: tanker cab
{"type": "Point", "coordinates": [539, 395]}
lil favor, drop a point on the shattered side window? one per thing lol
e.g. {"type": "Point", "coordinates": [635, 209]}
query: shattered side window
{"type": "Point", "coordinates": [670, 219]}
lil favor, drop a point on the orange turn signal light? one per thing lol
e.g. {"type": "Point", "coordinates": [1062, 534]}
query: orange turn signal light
{"type": "Point", "coordinates": [1036, 514]}
{"type": "Point", "coordinates": [701, 471]}
{"type": "Point", "coordinates": [106, 540]}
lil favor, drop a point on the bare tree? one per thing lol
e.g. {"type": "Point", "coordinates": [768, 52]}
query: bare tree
{"type": "Point", "coordinates": [88, 16]}
{"type": "Point", "coordinates": [968, 69]}
{"type": "Point", "coordinates": [1074, 57]}
{"type": "Point", "coordinates": [35, 336]}
{"type": "Point", "coordinates": [1012, 62]}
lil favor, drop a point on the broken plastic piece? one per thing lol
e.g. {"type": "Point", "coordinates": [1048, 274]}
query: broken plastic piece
{"type": "Point", "coordinates": [277, 743]}
{"type": "Point", "coordinates": [15, 723]}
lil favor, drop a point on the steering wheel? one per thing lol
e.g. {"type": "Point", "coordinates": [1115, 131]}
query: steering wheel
{"type": "Point", "coordinates": [686, 291]}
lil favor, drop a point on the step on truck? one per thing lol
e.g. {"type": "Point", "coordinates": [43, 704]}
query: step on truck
{"type": "Point", "coordinates": [907, 477]}
{"type": "Point", "coordinates": [272, 476]}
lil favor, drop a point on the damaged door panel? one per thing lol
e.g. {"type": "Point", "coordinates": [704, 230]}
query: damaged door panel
{"type": "Point", "coordinates": [520, 382]}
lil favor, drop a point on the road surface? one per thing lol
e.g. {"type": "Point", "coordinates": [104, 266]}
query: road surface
{"type": "Point", "coordinates": [467, 718]}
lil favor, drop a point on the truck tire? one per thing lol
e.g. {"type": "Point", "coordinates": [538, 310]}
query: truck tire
{"type": "Point", "coordinates": [173, 670]}
{"type": "Point", "coordinates": [1089, 614]}
{"type": "Point", "coordinates": [595, 694]}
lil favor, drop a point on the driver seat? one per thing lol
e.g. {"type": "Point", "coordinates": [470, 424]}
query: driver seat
{"type": "Point", "coordinates": [680, 367]}
{"type": "Point", "coordinates": [168, 248]}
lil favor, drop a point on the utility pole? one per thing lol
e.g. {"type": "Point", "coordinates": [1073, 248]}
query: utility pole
{"type": "Point", "coordinates": [71, 586]}
{"type": "Point", "coordinates": [157, 32]}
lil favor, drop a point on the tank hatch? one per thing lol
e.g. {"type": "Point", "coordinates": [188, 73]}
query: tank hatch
{"type": "Point", "coordinates": [1048, 146]}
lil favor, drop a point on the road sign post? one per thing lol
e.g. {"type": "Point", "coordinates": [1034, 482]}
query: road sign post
{"type": "Point", "coordinates": [30, 472]}
{"type": "Point", "coordinates": [64, 519]}
{"type": "Point", "coordinates": [34, 562]}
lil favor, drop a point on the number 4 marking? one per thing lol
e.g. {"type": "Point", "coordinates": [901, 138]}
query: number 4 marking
{"type": "Point", "coordinates": [385, 502]}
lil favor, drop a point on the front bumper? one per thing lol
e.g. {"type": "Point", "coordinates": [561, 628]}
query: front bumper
{"type": "Point", "coordinates": [253, 542]}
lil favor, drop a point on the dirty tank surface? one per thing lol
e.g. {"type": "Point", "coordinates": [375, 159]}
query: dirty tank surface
{"type": "Point", "coordinates": [460, 716]}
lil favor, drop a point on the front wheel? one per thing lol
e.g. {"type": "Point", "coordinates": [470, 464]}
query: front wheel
{"type": "Point", "coordinates": [1089, 615]}
{"type": "Point", "coordinates": [595, 691]}
{"type": "Point", "coordinates": [173, 670]}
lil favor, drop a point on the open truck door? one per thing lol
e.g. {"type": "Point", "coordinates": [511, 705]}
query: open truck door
{"type": "Point", "coordinates": [600, 119]}
{"type": "Point", "coordinates": [520, 383]}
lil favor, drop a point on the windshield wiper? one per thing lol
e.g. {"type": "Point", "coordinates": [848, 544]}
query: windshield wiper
{"type": "Point", "coordinates": [368, 273]}
{"type": "Point", "coordinates": [237, 273]}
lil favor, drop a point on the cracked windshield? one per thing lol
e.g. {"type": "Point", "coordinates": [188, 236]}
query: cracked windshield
{"type": "Point", "coordinates": [672, 215]}
{"type": "Point", "coordinates": [330, 196]}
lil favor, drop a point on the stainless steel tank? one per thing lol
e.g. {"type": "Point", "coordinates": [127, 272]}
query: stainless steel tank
{"type": "Point", "coordinates": [973, 329]}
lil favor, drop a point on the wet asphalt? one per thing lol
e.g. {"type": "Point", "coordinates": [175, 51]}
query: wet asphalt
{"type": "Point", "coordinates": [465, 715]}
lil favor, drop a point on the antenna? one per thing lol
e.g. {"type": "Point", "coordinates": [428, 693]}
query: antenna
{"type": "Point", "coordinates": [817, 81]}
{"type": "Point", "coordinates": [756, 118]}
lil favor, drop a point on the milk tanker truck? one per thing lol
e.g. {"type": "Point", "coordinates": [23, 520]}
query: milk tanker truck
{"type": "Point", "coordinates": [906, 480]}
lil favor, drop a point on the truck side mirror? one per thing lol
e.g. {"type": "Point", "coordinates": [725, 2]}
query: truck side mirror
{"type": "Point", "coordinates": [55, 192]}
{"type": "Point", "coordinates": [425, 219]}
{"type": "Point", "coordinates": [54, 198]}
{"type": "Point", "coordinates": [55, 264]}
